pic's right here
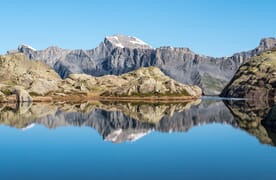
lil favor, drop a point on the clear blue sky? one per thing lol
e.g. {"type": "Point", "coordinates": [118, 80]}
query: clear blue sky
{"type": "Point", "coordinates": [214, 27]}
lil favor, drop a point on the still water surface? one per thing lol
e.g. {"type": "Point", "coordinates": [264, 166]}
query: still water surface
{"type": "Point", "coordinates": [207, 139]}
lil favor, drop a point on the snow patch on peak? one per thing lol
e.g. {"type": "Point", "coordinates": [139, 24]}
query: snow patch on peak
{"type": "Point", "coordinates": [118, 136]}
{"type": "Point", "coordinates": [123, 41]}
{"type": "Point", "coordinates": [120, 45]}
{"type": "Point", "coordinates": [28, 127]}
{"type": "Point", "coordinates": [27, 46]}
{"type": "Point", "coordinates": [138, 41]}
{"type": "Point", "coordinates": [114, 135]}
{"type": "Point", "coordinates": [135, 136]}
{"type": "Point", "coordinates": [115, 37]}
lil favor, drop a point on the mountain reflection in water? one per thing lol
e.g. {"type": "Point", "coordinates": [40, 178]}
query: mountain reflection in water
{"type": "Point", "coordinates": [128, 121]}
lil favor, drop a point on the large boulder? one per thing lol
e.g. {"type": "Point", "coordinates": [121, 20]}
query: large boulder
{"type": "Point", "coordinates": [21, 94]}
{"type": "Point", "coordinates": [34, 76]}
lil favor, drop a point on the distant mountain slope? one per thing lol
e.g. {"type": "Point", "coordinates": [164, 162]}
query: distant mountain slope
{"type": "Point", "coordinates": [119, 54]}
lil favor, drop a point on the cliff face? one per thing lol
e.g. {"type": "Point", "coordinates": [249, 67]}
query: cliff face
{"type": "Point", "coordinates": [120, 54]}
{"type": "Point", "coordinates": [255, 79]}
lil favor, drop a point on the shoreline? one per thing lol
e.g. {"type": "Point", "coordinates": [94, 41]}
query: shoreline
{"type": "Point", "coordinates": [85, 98]}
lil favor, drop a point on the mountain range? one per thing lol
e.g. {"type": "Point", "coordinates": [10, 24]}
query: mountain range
{"type": "Point", "coordinates": [120, 54]}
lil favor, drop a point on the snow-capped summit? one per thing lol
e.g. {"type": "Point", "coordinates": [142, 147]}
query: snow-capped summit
{"type": "Point", "coordinates": [26, 47]}
{"type": "Point", "coordinates": [123, 41]}
{"type": "Point", "coordinates": [119, 135]}
{"type": "Point", "coordinates": [28, 127]}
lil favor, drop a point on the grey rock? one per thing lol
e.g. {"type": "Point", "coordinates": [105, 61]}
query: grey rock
{"type": "Point", "coordinates": [119, 54]}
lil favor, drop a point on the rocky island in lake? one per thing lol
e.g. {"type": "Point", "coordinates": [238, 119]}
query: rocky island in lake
{"type": "Point", "coordinates": [25, 80]}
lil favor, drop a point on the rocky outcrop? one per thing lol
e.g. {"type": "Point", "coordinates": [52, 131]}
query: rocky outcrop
{"type": "Point", "coordinates": [151, 82]}
{"type": "Point", "coordinates": [256, 79]}
{"type": "Point", "coordinates": [23, 77]}
{"type": "Point", "coordinates": [120, 54]}
{"type": "Point", "coordinates": [34, 76]}
{"type": "Point", "coordinates": [143, 82]}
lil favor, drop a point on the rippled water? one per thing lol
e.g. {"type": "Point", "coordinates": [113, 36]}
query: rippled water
{"type": "Point", "coordinates": [204, 139]}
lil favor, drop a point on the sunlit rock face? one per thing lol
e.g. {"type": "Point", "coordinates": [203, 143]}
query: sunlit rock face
{"type": "Point", "coordinates": [25, 78]}
{"type": "Point", "coordinates": [255, 80]}
{"type": "Point", "coordinates": [119, 54]}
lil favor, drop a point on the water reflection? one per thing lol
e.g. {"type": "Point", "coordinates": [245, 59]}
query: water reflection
{"type": "Point", "coordinates": [256, 118]}
{"type": "Point", "coordinates": [128, 121]}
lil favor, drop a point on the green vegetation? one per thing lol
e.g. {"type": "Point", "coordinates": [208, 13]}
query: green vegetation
{"type": "Point", "coordinates": [213, 83]}
{"type": "Point", "coordinates": [155, 94]}
{"type": "Point", "coordinates": [6, 92]}
{"type": "Point", "coordinates": [34, 94]}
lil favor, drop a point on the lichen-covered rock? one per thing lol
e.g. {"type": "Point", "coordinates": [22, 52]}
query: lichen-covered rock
{"type": "Point", "coordinates": [2, 96]}
{"type": "Point", "coordinates": [256, 79]}
{"type": "Point", "coordinates": [151, 81]}
{"type": "Point", "coordinates": [34, 76]}
{"type": "Point", "coordinates": [42, 86]}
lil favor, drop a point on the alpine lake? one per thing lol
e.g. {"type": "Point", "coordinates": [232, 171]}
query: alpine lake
{"type": "Point", "coordinates": [210, 138]}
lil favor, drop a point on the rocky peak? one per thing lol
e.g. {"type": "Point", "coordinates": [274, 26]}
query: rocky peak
{"type": "Point", "coordinates": [267, 43]}
{"type": "Point", "coordinates": [123, 41]}
{"type": "Point", "coordinates": [24, 47]}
